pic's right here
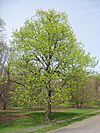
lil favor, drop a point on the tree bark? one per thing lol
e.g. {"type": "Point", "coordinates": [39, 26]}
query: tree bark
{"type": "Point", "coordinates": [48, 107]}
{"type": "Point", "coordinates": [4, 106]}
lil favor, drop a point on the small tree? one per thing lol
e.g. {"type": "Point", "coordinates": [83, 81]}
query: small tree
{"type": "Point", "coordinates": [78, 78]}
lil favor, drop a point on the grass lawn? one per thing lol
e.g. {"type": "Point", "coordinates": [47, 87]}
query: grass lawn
{"type": "Point", "coordinates": [63, 124]}
{"type": "Point", "coordinates": [33, 119]}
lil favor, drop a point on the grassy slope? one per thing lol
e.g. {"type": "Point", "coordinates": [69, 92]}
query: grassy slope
{"type": "Point", "coordinates": [37, 118]}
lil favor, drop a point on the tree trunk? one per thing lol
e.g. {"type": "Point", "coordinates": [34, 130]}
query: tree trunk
{"type": "Point", "coordinates": [4, 106]}
{"type": "Point", "coordinates": [48, 107]}
{"type": "Point", "coordinates": [77, 105]}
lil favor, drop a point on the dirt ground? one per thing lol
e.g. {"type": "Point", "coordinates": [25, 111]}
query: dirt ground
{"type": "Point", "coordinates": [12, 116]}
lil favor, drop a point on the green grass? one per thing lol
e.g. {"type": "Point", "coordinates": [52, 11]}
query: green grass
{"type": "Point", "coordinates": [37, 118]}
{"type": "Point", "coordinates": [60, 125]}
{"type": "Point", "coordinates": [34, 119]}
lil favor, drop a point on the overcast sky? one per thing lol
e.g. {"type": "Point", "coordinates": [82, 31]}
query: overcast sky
{"type": "Point", "coordinates": [84, 17]}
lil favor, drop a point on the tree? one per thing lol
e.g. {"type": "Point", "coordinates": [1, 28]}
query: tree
{"type": "Point", "coordinates": [4, 72]}
{"type": "Point", "coordinates": [45, 49]}
{"type": "Point", "coordinates": [78, 92]}
{"type": "Point", "coordinates": [95, 85]}
{"type": "Point", "coordinates": [80, 72]}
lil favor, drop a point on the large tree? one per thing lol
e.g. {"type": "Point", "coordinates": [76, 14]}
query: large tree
{"type": "Point", "coordinates": [45, 48]}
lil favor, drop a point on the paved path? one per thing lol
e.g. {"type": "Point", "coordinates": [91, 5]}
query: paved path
{"type": "Point", "coordinates": [90, 125]}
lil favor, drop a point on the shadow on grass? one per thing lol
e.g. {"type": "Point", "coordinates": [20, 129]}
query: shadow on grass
{"type": "Point", "coordinates": [36, 118]}
{"type": "Point", "coordinates": [63, 115]}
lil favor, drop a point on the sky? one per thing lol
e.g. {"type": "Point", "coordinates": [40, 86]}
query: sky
{"type": "Point", "coordinates": [83, 15]}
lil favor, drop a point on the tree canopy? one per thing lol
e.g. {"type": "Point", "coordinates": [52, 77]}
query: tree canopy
{"type": "Point", "coordinates": [47, 58]}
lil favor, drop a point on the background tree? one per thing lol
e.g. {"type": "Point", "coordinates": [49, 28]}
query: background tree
{"type": "Point", "coordinates": [94, 84]}
{"type": "Point", "coordinates": [45, 50]}
{"type": "Point", "coordinates": [78, 78]}
{"type": "Point", "coordinates": [4, 69]}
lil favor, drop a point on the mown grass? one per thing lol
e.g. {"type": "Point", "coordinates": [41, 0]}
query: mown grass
{"type": "Point", "coordinates": [60, 125]}
{"type": "Point", "coordinates": [36, 119]}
